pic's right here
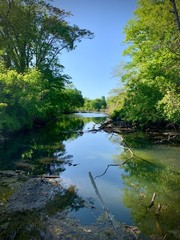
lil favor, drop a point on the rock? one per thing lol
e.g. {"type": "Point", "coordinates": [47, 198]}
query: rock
{"type": "Point", "coordinates": [34, 193]}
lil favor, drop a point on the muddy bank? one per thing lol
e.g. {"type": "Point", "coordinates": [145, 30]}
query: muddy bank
{"type": "Point", "coordinates": [161, 134]}
{"type": "Point", "coordinates": [37, 208]}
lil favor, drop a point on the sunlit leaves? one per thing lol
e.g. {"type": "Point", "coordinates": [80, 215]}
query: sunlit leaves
{"type": "Point", "coordinates": [152, 76]}
{"type": "Point", "coordinates": [23, 96]}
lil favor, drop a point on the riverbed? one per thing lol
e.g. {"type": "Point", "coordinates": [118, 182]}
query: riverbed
{"type": "Point", "coordinates": [102, 178]}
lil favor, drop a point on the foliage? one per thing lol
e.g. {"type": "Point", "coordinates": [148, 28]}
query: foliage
{"type": "Point", "coordinates": [152, 78]}
{"type": "Point", "coordinates": [73, 99]}
{"type": "Point", "coordinates": [96, 104]}
{"type": "Point", "coordinates": [22, 96]}
{"type": "Point", "coordinates": [33, 33]}
{"type": "Point", "coordinates": [116, 101]}
{"type": "Point", "coordinates": [26, 98]}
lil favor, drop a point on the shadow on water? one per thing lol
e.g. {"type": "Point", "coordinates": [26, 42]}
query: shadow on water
{"type": "Point", "coordinates": [154, 169]}
{"type": "Point", "coordinates": [33, 151]}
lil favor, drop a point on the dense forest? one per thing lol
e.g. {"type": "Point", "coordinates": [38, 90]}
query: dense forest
{"type": "Point", "coordinates": [151, 79]}
{"type": "Point", "coordinates": [33, 87]}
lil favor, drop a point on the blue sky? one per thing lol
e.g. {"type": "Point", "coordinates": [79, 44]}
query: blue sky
{"type": "Point", "coordinates": [91, 65]}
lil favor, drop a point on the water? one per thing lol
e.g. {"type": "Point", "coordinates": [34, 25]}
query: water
{"type": "Point", "coordinates": [69, 149]}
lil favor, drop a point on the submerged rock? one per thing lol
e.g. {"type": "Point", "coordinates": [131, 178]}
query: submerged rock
{"type": "Point", "coordinates": [34, 193]}
{"type": "Point", "coordinates": [37, 208]}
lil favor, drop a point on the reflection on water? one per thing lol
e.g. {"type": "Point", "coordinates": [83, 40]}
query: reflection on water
{"type": "Point", "coordinates": [67, 148]}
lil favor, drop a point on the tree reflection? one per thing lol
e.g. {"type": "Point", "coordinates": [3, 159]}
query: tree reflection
{"type": "Point", "coordinates": [144, 175]}
{"type": "Point", "coordinates": [142, 178]}
{"type": "Point", "coordinates": [33, 151]}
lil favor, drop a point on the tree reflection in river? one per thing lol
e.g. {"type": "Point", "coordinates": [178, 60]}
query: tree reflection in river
{"type": "Point", "coordinates": [143, 175]}
{"type": "Point", "coordinates": [33, 151]}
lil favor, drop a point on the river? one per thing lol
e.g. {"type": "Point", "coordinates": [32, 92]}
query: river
{"type": "Point", "coordinates": [72, 150]}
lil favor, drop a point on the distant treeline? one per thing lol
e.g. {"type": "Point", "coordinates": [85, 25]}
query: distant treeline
{"type": "Point", "coordinates": [96, 104]}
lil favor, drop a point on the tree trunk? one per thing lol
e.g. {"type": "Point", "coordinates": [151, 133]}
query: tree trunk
{"type": "Point", "coordinates": [176, 14]}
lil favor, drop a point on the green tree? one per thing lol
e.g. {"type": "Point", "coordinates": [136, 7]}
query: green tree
{"type": "Point", "coordinates": [96, 104]}
{"type": "Point", "coordinates": [152, 78]}
{"type": "Point", "coordinates": [73, 99]}
{"type": "Point", "coordinates": [33, 33]}
{"type": "Point", "coordinates": [116, 101]}
{"type": "Point", "coordinates": [22, 96]}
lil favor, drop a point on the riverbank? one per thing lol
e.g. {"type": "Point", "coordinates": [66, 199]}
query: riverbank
{"type": "Point", "coordinates": [159, 133]}
{"type": "Point", "coordinates": [38, 207]}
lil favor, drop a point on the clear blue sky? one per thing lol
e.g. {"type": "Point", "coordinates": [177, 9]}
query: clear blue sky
{"type": "Point", "coordinates": [92, 63]}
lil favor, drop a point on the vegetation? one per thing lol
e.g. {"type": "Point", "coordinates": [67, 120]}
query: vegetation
{"type": "Point", "coordinates": [96, 104]}
{"type": "Point", "coordinates": [33, 33]}
{"type": "Point", "coordinates": [151, 92]}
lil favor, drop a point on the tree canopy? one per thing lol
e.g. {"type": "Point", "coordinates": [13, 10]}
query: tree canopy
{"type": "Point", "coordinates": [152, 77]}
{"type": "Point", "coordinates": [33, 34]}
{"type": "Point", "coordinates": [96, 104]}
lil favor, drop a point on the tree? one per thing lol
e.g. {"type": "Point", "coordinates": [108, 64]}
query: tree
{"type": "Point", "coordinates": [96, 104]}
{"type": "Point", "coordinates": [116, 101]}
{"type": "Point", "coordinates": [22, 98]}
{"type": "Point", "coordinates": [152, 78]}
{"type": "Point", "coordinates": [73, 99]}
{"type": "Point", "coordinates": [33, 33]}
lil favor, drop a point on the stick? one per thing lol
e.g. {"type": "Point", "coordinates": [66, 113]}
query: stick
{"type": "Point", "coordinates": [106, 211]}
{"type": "Point", "coordinates": [152, 200]}
{"type": "Point", "coordinates": [117, 165]}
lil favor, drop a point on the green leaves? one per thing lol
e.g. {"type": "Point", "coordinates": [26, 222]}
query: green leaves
{"type": "Point", "coordinates": [33, 33]}
{"type": "Point", "coordinates": [152, 77]}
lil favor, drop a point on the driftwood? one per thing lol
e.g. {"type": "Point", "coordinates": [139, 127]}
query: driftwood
{"type": "Point", "coordinates": [51, 176]}
{"type": "Point", "coordinates": [120, 232]}
{"type": "Point", "coordinates": [106, 211]}
{"type": "Point", "coordinates": [152, 200]}
{"type": "Point", "coordinates": [118, 165]}
{"type": "Point", "coordinates": [159, 207]}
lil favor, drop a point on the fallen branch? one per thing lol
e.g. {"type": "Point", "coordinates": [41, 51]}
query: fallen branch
{"type": "Point", "coordinates": [106, 211]}
{"type": "Point", "coordinates": [118, 165]}
{"type": "Point", "coordinates": [152, 200]}
{"type": "Point", "coordinates": [111, 165]}
{"type": "Point", "coordinates": [121, 233]}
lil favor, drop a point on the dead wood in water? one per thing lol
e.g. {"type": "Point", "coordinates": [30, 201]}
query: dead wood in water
{"type": "Point", "coordinates": [106, 211]}
{"type": "Point", "coordinates": [152, 200]}
{"type": "Point", "coordinates": [121, 231]}
{"type": "Point", "coordinates": [159, 207]}
{"type": "Point", "coordinates": [118, 165]}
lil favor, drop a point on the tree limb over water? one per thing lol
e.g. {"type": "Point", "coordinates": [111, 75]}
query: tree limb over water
{"type": "Point", "coordinates": [120, 230]}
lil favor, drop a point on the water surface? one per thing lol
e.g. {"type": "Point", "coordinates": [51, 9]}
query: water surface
{"type": "Point", "coordinates": [69, 149]}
